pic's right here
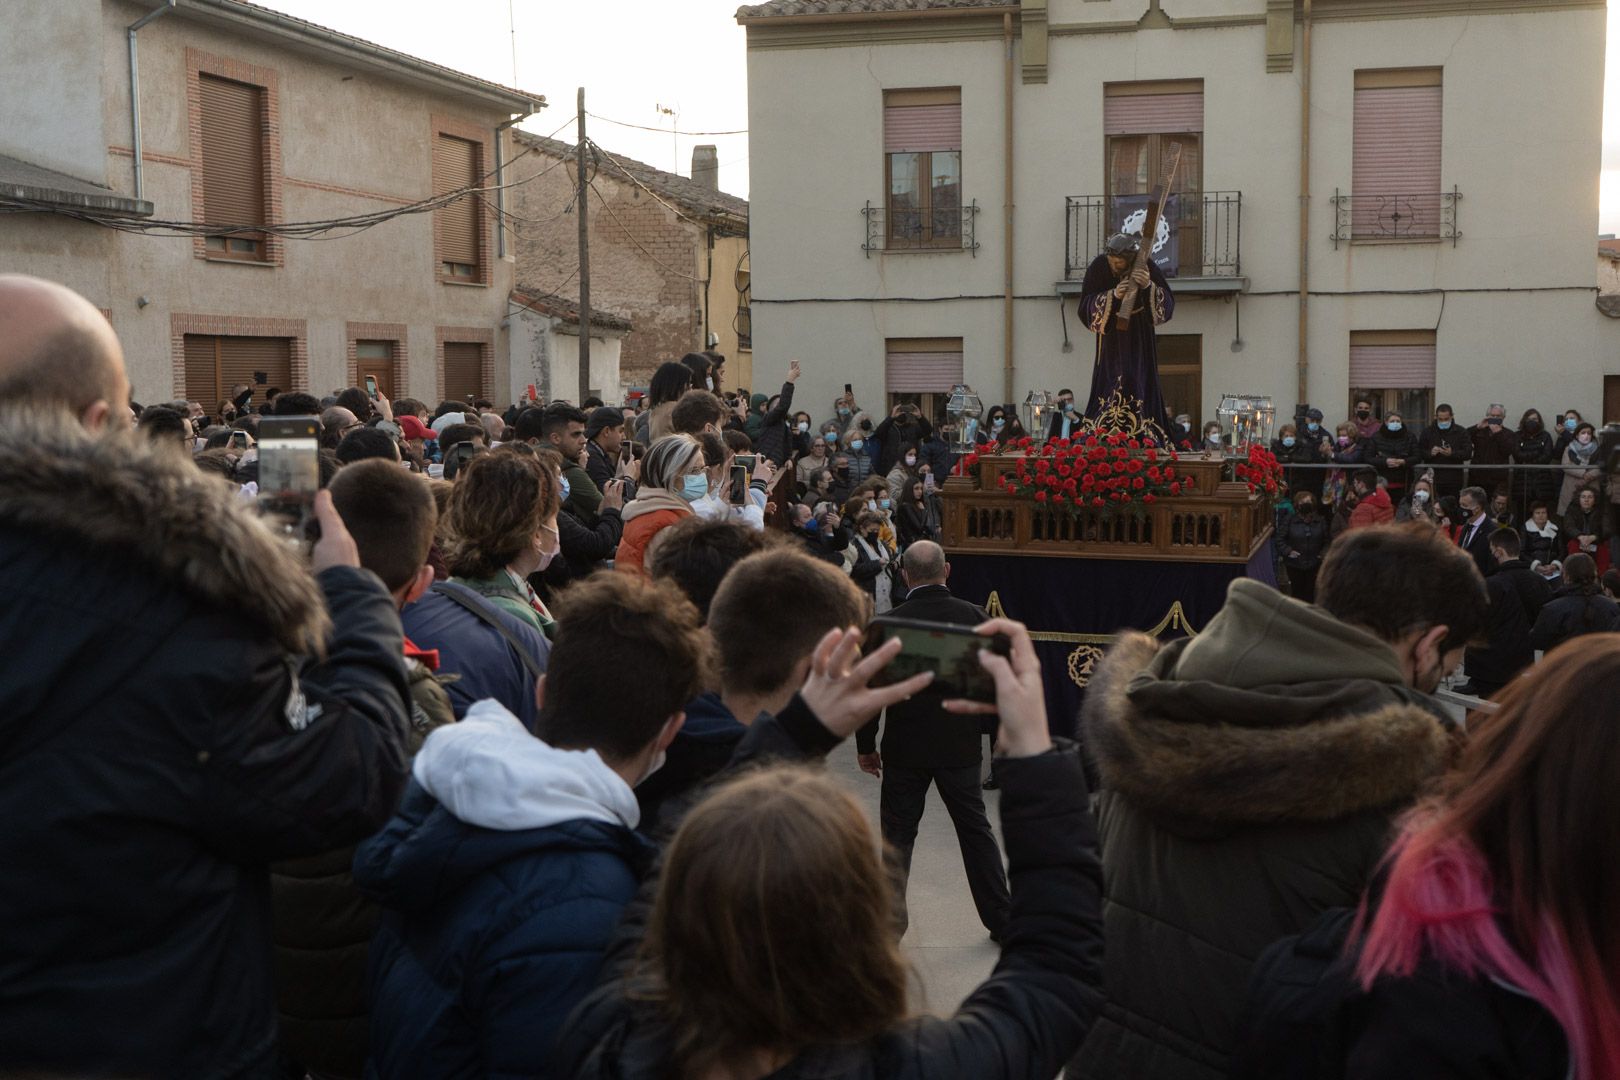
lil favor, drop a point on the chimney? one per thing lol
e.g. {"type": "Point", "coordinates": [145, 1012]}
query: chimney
{"type": "Point", "coordinates": [706, 166]}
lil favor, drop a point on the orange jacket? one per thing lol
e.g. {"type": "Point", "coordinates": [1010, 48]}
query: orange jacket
{"type": "Point", "coordinates": [638, 533]}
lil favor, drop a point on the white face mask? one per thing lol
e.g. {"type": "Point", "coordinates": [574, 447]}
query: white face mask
{"type": "Point", "coordinates": [911, 459]}
{"type": "Point", "coordinates": [804, 426]}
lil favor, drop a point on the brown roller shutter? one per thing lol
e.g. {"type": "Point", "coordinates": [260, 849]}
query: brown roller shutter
{"type": "Point", "coordinates": [463, 370]}
{"type": "Point", "coordinates": [242, 358]}
{"type": "Point", "coordinates": [202, 370]}
{"type": "Point", "coordinates": [455, 166]}
{"type": "Point", "coordinates": [1396, 161]}
{"type": "Point", "coordinates": [232, 152]}
{"type": "Point", "coordinates": [922, 365]}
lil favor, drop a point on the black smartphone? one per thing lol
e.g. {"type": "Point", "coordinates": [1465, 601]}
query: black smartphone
{"type": "Point", "coordinates": [739, 485]}
{"type": "Point", "coordinates": [849, 388]}
{"type": "Point", "coordinates": [746, 461]}
{"type": "Point", "coordinates": [289, 471]}
{"type": "Point", "coordinates": [239, 440]}
{"type": "Point", "coordinates": [951, 652]}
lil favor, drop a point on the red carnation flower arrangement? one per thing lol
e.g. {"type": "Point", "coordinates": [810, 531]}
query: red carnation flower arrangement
{"type": "Point", "coordinates": [1111, 472]}
{"type": "Point", "coordinates": [1261, 472]}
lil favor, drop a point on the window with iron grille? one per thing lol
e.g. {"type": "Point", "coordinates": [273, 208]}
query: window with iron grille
{"type": "Point", "coordinates": [1395, 189]}
{"type": "Point", "coordinates": [1141, 121]}
{"type": "Point", "coordinates": [233, 178]}
{"type": "Point", "coordinates": [458, 225]}
{"type": "Point", "coordinates": [922, 153]}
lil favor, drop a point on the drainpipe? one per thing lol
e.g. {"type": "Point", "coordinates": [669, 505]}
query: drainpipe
{"type": "Point", "coordinates": [1008, 368]}
{"type": "Point", "coordinates": [500, 181]}
{"type": "Point", "coordinates": [135, 90]}
{"type": "Point", "coordinates": [1305, 207]}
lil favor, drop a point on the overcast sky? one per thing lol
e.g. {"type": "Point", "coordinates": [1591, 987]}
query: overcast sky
{"type": "Point", "coordinates": [633, 56]}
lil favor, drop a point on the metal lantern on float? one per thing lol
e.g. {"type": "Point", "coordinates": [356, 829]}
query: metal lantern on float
{"type": "Point", "coordinates": [1246, 420]}
{"type": "Point", "coordinates": [1037, 407]}
{"type": "Point", "coordinates": [964, 409]}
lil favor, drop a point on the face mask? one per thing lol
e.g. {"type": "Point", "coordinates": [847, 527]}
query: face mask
{"type": "Point", "coordinates": [997, 424]}
{"type": "Point", "coordinates": [1313, 426]}
{"type": "Point", "coordinates": [856, 444]}
{"type": "Point", "coordinates": [1420, 496]}
{"type": "Point", "coordinates": [708, 383]}
{"type": "Point", "coordinates": [811, 527]}
{"type": "Point", "coordinates": [911, 459]}
{"type": "Point", "coordinates": [1569, 425]}
{"type": "Point", "coordinates": [1213, 437]}
{"type": "Point", "coordinates": [1306, 508]}
{"type": "Point", "coordinates": [1394, 425]}
{"type": "Point", "coordinates": [842, 470]}
{"type": "Point", "coordinates": [1363, 413]}
{"type": "Point", "coordinates": [871, 504]}
{"type": "Point", "coordinates": [1494, 421]}
{"type": "Point", "coordinates": [884, 504]}
{"type": "Point", "coordinates": [1344, 440]}
{"type": "Point", "coordinates": [1443, 425]}
{"type": "Point", "coordinates": [1288, 440]}
{"type": "Point", "coordinates": [1532, 425]}
{"type": "Point", "coordinates": [694, 487]}
{"type": "Point", "coordinates": [803, 427]}
{"type": "Point", "coordinates": [871, 537]}
{"type": "Point", "coordinates": [842, 411]}
{"type": "Point", "coordinates": [565, 489]}
{"type": "Point", "coordinates": [831, 437]}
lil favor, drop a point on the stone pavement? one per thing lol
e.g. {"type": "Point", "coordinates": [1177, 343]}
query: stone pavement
{"type": "Point", "coordinates": [949, 949]}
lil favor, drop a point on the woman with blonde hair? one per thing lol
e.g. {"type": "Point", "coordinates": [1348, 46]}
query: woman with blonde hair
{"type": "Point", "coordinates": [673, 477]}
{"type": "Point", "coordinates": [770, 948]}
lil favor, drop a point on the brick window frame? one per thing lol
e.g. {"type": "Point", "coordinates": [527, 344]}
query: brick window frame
{"type": "Point", "coordinates": [356, 332]}
{"type": "Point", "coordinates": [238, 326]}
{"type": "Point", "coordinates": [484, 137]}
{"type": "Point", "coordinates": [198, 64]}
{"type": "Point", "coordinates": [483, 337]}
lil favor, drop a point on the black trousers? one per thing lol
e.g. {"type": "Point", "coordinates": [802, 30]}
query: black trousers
{"type": "Point", "coordinates": [900, 810]}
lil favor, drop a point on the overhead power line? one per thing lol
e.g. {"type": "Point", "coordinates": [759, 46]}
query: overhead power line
{"type": "Point", "coordinates": [664, 131]}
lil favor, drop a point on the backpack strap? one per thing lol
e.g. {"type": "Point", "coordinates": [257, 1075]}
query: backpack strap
{"type": "Point", "coordinates": [491, 618]}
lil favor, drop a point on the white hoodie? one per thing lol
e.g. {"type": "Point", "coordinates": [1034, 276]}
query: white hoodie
{"type": "Point", "coordinates": [490, 772]}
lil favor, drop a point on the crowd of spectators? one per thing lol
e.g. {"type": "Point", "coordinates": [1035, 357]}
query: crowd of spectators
{"type": "Point", "coordinates": [503, 776]}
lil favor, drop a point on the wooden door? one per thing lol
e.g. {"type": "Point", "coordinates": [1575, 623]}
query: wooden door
{"type": "Point", "coordinates": [1611, 399]}
{"type": "Point", "coordinates": [375, 359]}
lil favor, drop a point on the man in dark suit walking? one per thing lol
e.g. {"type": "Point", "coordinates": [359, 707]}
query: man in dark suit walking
{"type": "Point", "coordinates": [923, 744]}
{"type": "Point", "coordinates": [1475, 537]}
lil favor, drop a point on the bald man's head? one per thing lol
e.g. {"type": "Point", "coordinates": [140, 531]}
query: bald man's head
{"type": "Point", "coordinates": [924, 564]}
{"type": "Point", "coordinates": [57, 351]}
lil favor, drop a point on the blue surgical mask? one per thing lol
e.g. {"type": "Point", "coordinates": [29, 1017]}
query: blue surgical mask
{"type": "Point", "coordinates": [831, 436]}
{"type": "Point", "coordinates": [842, 411]}
{"type": "Point", "coordinates": [1313, 426]}
{"type": "Point", "coordinates": [998, 423]}
{"type": "Point", "coordinates": [1288, 440]}
{"type": "Point", "coordinates": [1394, 425]}
{"type": "Point", "coordinates": [565, 489]}
{"type": "Point", "coordinates": [1443, 425]}
{"type": "Point", "coordinates": [856, 444]}
{"type": "Point", "coordinates": [1569, 425]}
{"type": "Point", "coordinates": [885, 503]}
{"type": "Point", "coordinates": [694, 487]}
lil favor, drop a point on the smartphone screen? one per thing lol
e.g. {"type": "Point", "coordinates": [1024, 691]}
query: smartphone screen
{"type": "Point", "coordinates": [950, 652]}
{"type": "Point", "coordinates": [371, 386]}
{"type": "Point", "coordinates": [289, 469]}
{"type": "Point", "coordinates": [739, 485]}
{"type": "Point", "coordinates": [746, 461]}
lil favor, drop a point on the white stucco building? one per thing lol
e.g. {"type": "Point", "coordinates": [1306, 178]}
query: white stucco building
{"type": "Point", "coordinates": [1449, 191]}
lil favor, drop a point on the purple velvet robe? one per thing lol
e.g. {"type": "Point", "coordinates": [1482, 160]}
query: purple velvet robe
{"type": "Point", "coordinates": [1127, 360]}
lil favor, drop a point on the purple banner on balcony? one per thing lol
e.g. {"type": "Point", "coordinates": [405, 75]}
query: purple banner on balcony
{"type": "Point", "coordinates": [1073, 607]}
{"type": "Point", "coordinates": [1128, 213]}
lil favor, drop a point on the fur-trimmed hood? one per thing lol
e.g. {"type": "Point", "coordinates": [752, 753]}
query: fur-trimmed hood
{"type": "Point", "coordinates": [1276, 712]}
{"type": "Point", "coordinates": [152, 508]}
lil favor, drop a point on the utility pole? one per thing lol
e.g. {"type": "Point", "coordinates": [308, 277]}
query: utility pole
{"type": "Point", "coordinates": [584, 210]}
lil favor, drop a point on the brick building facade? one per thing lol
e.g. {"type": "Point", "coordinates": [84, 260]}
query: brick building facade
{"type": "Point", "coordinates": [665, 252]}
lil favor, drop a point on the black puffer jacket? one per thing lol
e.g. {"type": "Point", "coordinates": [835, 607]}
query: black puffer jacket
{"type": "Point", "coordinates": [164, 740]}
{"type": "Point", "coordinates": [1574, 610]}
{"type": "Point", "coordinates": [773, 441]}
{"type": "Point", "coordinates": [1249, 781]}
{"type": "Point", "coordinates": [1387, 444]}
{"type": "Point", "coordinates": [1301, 540]}
{"type": "Point", "coordinates": [1306, 1016]}
{"type": "Point", "coordinates": [1518, 595]}
{"type": "Point", "coordinates": [1021, 1022]}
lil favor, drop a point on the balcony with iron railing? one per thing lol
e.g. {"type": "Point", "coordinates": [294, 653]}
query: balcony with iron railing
{"type": "Point", "coordinates": [898, 228]}
{"type": "Point", "coordinates": [1198, 245]}
{"type": "Point", "coordinates": [1395, 219]}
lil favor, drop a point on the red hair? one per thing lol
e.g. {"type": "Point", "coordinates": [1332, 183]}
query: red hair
{"type": "Point", "coordinates": [1510, 872]}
